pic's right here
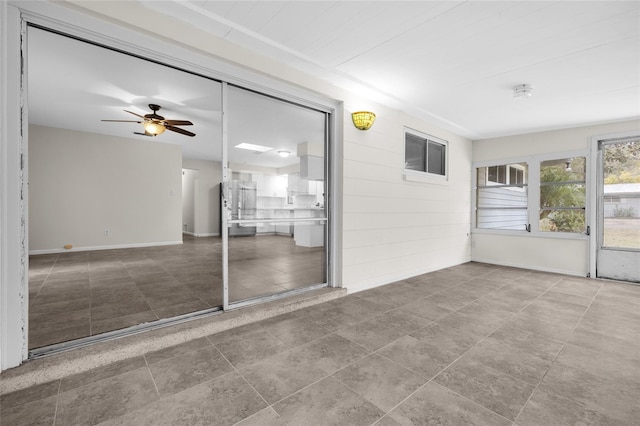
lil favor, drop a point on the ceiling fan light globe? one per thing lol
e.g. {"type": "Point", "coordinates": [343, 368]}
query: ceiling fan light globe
{"type": "Point", "coordinates": [154, 128]}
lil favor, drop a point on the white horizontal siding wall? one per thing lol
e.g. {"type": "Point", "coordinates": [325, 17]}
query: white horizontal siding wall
{"type": "Point", "coordinates": [503, 208]}
{"type": "Point", "coordinates": [394, 228]}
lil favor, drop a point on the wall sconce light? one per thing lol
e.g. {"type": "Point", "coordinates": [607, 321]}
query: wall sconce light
{"type": "Point", "coordinates": [363, 120]}
{"type": "Point", "coordinates": [283, 154]}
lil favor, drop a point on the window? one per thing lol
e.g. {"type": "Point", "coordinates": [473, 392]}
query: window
{"type": "Point", "coordinates": [563, 195]}
{"type": "Point", "coordinates": [425, 154]}
{"type": "Point", "coordinates": [508, 174]}
{"type": "Point", "coordinates": [507, 199]}
{"type": "Point", "coordinates": [502, 197]}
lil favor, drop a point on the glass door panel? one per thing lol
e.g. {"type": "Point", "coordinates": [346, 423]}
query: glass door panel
{"type": "Point", "coordinates": [132, 233]}
{"type": "Point", "coordinates": [618, 255]}
{"type": "Point", "coordinates": [275, 196]}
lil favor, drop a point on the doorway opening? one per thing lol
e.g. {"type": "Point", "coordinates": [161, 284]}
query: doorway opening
{"type": "Point", "coordinates": [618, 249]}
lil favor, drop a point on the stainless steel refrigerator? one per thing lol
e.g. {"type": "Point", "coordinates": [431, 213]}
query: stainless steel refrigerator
{"type": "Point", "coordinates": [242, 199]}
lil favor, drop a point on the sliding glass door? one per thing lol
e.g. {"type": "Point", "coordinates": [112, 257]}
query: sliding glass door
{"type": "Point", "coordinates": [219, 202]}
{"type": "Point", "coordinates": [274, 197]}
{"type": "Point", "coordinates": [124, 226]}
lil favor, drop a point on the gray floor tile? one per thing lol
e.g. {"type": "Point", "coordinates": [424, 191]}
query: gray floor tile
{"type": "Point", "coordinates": [296, 331]}
{"type": "Point", "coordinates": [380, 381]}
{"type": "Point", "coordinates": [418, 356]}
{"type": "Point", "coordinates": [488, 387]}
{"type": "Point", "coordinates": [599, 393]}
{"type": "Point", "coordinates": [280, 375]}
{"type": "Point", "coordinates": [222, 401]}
{"type": "Point", "coordinates": [100, 373]}
{"type": "Point", "coordinates": [177, 350]}
{"type": "Point", "coordinates": [266, 417]}
{"type": "Point", "coordinates": [604, 342]}
{"type": "Point", "coordinates": [33, 393]}
{"type": "Point", "coordinates": [510, 359]}
{"type": "Point", "coordinates": [326, 403]}
{"type": "Point", "coordinates": [448, 337]}
{"type": "Point", "coordinates": [104, 399]}
{"type": "Point", "coordinates": [187, 370]}
{"type": "Point", "coordinates": [387, 421]}
{"type": "Point", "coordinates": [436, 405]}
{"type": "Point", "coordinates": [252, 348]}
{"type": "Point", "coordinates": [330, 353]}
{"type": "Point", "coordinates": [624, 370]}
{"type": "Point", "coordinates": [426, 309]}
{"type": "Point", "coordinates": [546, 408]}
{"type": "Point", "coordinates": [373, 333]}
{"type": "Point", "coordinates": [32, 413]}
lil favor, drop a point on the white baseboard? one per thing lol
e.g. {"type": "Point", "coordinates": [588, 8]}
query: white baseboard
{"type": "Point", "coordinates": [387, 279]}
{"type": "Point", "coordinates": [531, 267]}
{"type": "Point", "coordinates": [112, 247]}
{"type": "Point", "coordinates": [203, 234]}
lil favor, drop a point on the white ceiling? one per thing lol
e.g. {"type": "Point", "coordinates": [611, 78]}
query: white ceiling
{"type": "Point", "coordinates": [456, 61]}
{"type": "Point", "coordinates": [452, 62]}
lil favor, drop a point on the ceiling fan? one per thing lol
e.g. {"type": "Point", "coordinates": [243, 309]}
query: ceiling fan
{"type": "Point", "coordinates": [155, 124]}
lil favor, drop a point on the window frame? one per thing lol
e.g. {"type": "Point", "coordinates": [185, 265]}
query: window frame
{"type": "Point", "coordinates": [559, 184]}
{"type": "Point", "coordinates": [419, 175]}
{"type": "Point", "coordinates": [507, 184]}
{"type": "Point", "coordinates": [489, 184]}
{"type": "Point", "coordinates": [533, 181]}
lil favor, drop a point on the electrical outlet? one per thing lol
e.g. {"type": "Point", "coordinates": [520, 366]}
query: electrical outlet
{"type": "Point", "coordinates": [106, 232]}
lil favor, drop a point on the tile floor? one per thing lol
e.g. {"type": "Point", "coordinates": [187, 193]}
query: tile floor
{"type": "Point", "coordinates": [469, 345]}
{"type": "Point", "coordinates": [79, 294]}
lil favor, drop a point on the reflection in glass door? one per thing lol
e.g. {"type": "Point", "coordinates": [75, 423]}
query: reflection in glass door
{"type": "Point", "coordinates": [618, 255]}
{"type": "Point", "coordinates": [112, 245]}
{"type": "Point", "coordinates": [274, 197]}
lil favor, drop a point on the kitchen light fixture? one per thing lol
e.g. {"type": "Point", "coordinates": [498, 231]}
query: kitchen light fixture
{"type": "Point", "coordinates": [363, 120]}
{"type": "Point", "coordinates": [153, 128]}
{"type": "Point", "coordinates": [284, 154]}
{"type": "Point", "coordinates": [254, 147]}
{"type": "Point", "coordinates": [522, 91]}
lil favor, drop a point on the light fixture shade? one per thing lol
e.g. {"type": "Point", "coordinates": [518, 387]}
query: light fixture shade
{"type": "Point", "coordinates": [284, 154]}
{"type": "Point", "coordinates": [363, 120]}
{"type": "Point", "coordinates": [154, 128]}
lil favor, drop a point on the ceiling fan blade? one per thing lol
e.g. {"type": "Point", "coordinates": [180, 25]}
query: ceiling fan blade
{"type": "Point", "coordinates": [123, 121]}
{"type": "Point", "coordinates": [178, 122]}
{"type": "Point", "coordinates": [137, 115]}
{"type": "Point", "coordinates": [179, 130]}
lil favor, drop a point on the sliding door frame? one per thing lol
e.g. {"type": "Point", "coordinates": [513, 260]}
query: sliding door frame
{"type": "Point", "coordinates": [74, 23]}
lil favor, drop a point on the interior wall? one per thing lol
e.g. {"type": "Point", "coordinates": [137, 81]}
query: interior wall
{"type": "Point", "coordinates": [207, 206]}
{"type": "Point", "coordinates": [547, 253]}
{"type": "Point", "coordinates": [576, 138]}
{"type": "Point", "coordinates": [189, 177]}
{"type": "Point", "coordinates": [396, 228]}
{"type": "Point", "coordinates": [95, 191]}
